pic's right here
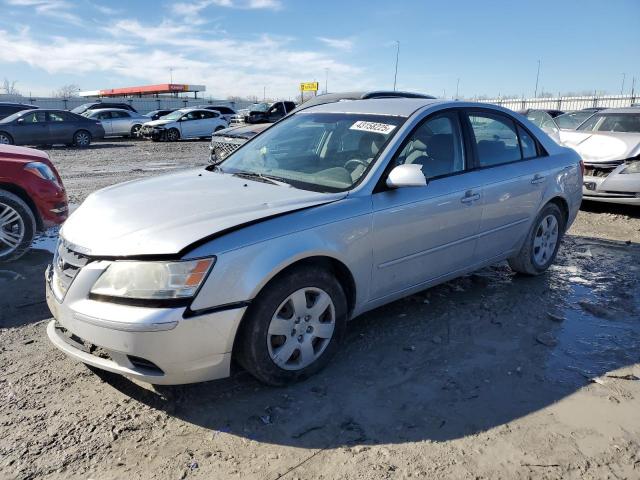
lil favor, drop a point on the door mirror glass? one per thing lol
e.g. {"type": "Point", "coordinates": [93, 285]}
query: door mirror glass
{"type": "Point", "coordinates": [20, 121]}
{"type": "Point", "coordinates": [406, 175]}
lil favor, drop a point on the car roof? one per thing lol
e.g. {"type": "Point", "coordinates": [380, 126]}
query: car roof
{"type": "Point", "coordinates": [111, 109]}
{"type": "Point", "coordinates": [18, 104]}
{"type": "Point", "coordinates": [402, 107]}
{"type": "Point", "coordinates": [633, 110]}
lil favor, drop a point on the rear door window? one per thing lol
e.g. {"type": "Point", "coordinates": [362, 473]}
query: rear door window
{"type": "Point", "coordinates": [495, 137]}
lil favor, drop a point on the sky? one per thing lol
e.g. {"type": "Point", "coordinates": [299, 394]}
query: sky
{"type": "Point", "coordinates": [249, 47]}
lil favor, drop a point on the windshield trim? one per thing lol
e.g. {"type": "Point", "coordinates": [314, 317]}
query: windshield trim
{"type": "Point", "coordinates": [302, 185]}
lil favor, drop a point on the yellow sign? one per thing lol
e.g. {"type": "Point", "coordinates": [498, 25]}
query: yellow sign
{"type": "Point", "coordinates": [309, 87]}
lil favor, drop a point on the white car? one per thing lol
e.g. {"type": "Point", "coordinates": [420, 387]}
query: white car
{"type": "Point", "coordinates": [184, 123]}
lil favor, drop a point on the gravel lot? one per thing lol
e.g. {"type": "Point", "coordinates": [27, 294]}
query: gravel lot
{"type": "Point", "coordinates": [488, 376]}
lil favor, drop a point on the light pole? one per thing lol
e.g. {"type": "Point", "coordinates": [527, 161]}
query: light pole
{"type": "Point", "coordinates": [326, 80]}
{"type": "Point", "coordinates": [535, 94]}
{"type": "Point", "coordinates": [457, 86]}
{"type": "Point", "coordinates": [264, 94]}
{"type": "Point", "coordinates": [622, 88]}
{"type": "Point", "coordinates": [171, 69]}
{"type": "Point", "coordinates": [395, 76]}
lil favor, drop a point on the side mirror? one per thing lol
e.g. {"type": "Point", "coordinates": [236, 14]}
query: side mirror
{"type": "Point", "coordinates": [407, 175]}
{"type": "Point", "coordinates": [20, 121]}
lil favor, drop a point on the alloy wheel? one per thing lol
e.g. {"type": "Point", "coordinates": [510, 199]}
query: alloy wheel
{"type": "Point", "coordinates": [82, 139]}
{"type": "Point", "coordinates": [12, 229]}
{"type": "Point", "coordinates": [4, 139]}
{"type": "Point", "coordinates": [545, 240]}
{"type": "Point", "coordinates": [301, 328]}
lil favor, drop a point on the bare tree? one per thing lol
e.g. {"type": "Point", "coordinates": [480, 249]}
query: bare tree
{"type": "Point", "coordinates": [66, 91]}
{"type": "Point", "coordinates": [9, 87]}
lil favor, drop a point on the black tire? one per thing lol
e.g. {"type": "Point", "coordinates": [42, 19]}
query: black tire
{"type": "Point", "coordinates": [5, 139]}
{"type": "Point", "coordinates": [8, 199]}
{"type": "Point", "coordinates": [252, 351]}
{"type": "Point", "coordinates": [135, 130]}
{"type": "Point", "coordinates": [525, 262]}
{"type": "Point", "coordinates": [172, 135]}
{"type": "Point", "coordinates": [82, 139]}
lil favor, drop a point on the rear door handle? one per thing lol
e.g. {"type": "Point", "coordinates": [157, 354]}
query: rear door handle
{"type": "Point", "coordinates": [470, 197]}
{"type": "Point", "coordinates": [538, 179]}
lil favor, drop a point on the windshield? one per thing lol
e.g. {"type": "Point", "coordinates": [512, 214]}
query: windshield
{"type": "Point", "coordinates": [82, 108]}
{"type": "Point", "coordinates": [326, 152]}
{"type": "Point", "coordinates": [571, 120]}
{"type": "Point", "coordinates": [613, 122]}
{"type": "Point", "coordinates": [259, 107]}
{"type": "Point", "coordinates": [173, 115]}
{"type": "Point", "coordinates": [14, 116]}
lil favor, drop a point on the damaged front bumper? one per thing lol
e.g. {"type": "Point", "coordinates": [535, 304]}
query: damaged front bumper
{"type": "Point", "coordinates": [611, 182]}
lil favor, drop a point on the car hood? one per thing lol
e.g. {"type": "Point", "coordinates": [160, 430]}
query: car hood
{"type": "Point", "coordinates": [602, 147]}
{"type": "Point", "coordinates": [23, 154]}
{"type": "Point", "coordinates": [244, 131]}
{"type": "Point", "coordinates": [156, 123]}
{"type": "Point", "coordinates": [164, 215]}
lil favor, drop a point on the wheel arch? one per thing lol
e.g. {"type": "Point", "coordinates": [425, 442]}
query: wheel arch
{"type": "Point", "coordinates": [563, 205]}
{"type": "Point", "coordinates": [24, 196]}
{"type": "Point", "coordinates": [9, 135]}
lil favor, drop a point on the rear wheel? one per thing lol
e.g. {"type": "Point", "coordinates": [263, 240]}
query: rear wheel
{"type": "Point", "coordinates": [82, 138]}
{"type": "Point", "coordinates": [293, 327]}
{"type": "Point", "coordinates": [172, 135]}
{"type": "Point", "coordinates": [17, 226]}
{"type": "Point", "coordinates": [541, 246]}
{"type": "Point", "coordinates": [5, 139]}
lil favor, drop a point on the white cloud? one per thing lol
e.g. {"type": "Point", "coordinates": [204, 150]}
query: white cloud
{"type": "Point", "coordinates": [337, 43]}
{"type": "Point", "coordinates": [226, 65]}
{"type": "Point", "coordinates": [58, 9]}
{"type": "Point", "coordinates": [191, 11]}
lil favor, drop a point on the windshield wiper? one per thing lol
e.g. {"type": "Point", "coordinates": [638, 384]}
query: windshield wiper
{"type": "Point", "coordinates": [263, 178]}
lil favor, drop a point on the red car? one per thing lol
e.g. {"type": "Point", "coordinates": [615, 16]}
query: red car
{"type": "Point", "coordinates": [32, 198]}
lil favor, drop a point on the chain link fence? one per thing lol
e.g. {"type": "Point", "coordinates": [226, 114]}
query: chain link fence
{"type": "Point", "coordinates": [142, 105]}
{"type": "Point", "coordinates": [565, 103]}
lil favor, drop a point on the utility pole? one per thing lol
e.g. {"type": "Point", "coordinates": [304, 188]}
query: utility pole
{"type": "Point", "coordinates": [395, 77]}
{"type": "Point", "coordinates": [171, 69]}
{"type": "Point", "coordinates": [326, 80]}
{"type": "Point", "coordinates": [622, 88]}
{"type": "Point", "coordinates": [535, 94]}
{"type": "Point", "coordinates": [457, 87]}
{"type": "Point", "coordinates": [264, 94]}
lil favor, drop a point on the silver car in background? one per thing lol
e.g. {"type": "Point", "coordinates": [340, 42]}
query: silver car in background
{"type": "Point", "coordinates": [118, 122]}
{"type": "Point", "coordinates": [609, 144]}
{"type": "Point", "coordinates": [331, 212]}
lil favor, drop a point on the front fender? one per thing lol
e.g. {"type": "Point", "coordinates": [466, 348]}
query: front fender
{"type": "Point", "coordinates": [240, 274]}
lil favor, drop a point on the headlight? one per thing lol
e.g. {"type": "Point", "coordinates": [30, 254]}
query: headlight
{"type": "Point", "coordinates": [43, 171]}
{"type": "Point", "coordinates": [153, 280]}
{"type": "Point", "coordinates": [631, 167]}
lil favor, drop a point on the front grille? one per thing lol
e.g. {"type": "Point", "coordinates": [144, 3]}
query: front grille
{"type": "Point", "coordinates": [601, 170]}
{"type": "Point", "coordinates": [66, 265]}
{"type": "Point", "coordinates": [223, 148]}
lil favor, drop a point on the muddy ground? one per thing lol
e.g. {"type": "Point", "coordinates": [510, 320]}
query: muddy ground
{"type": "Point", "coordinates": [489, 376]}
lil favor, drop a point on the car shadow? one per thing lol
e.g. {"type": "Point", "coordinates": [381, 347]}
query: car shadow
{"type": "Point", "coordinates": [470, 355]}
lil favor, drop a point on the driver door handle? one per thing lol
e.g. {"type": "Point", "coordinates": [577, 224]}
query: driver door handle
{"type": "Point", "coordinates": [470, 197]}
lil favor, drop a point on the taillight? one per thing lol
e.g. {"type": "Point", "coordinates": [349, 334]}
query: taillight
{"type": "Point", "coordinates": [582, 167]}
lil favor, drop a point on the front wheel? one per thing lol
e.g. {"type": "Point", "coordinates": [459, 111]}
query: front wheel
{"type": "Point", "coordinates": [542, 242]}
{"type": "Point", "coordinates": [17, 226]}
{"type": "Point", "coordinates": [82, 139]}
{"type": "Point", "coordinates": [172, 135]}
{"type": "Point", "coordinates": [294, 327]}
{"type": "Point", "coordinates": [135, 131]}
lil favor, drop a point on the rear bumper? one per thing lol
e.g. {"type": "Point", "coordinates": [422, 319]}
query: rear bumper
{"type": "Point", "coordinates": [154, 345]}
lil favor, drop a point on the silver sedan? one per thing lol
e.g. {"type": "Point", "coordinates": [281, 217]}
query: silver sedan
{"type": "Point", "coordinates": [329, 213]}
{"type": "Point", "coordinates": [118, 122]}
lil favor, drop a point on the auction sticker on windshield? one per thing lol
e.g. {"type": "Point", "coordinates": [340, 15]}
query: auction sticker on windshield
{"type": "Point", "coordinates": [376, 127]}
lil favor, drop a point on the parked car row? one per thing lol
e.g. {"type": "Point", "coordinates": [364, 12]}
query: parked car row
{"type": "Point", "coordinates": [608, 140]}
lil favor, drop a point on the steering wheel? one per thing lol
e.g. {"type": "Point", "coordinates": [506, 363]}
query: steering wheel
{"type": "Point", "coordinates": [352, 164]}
